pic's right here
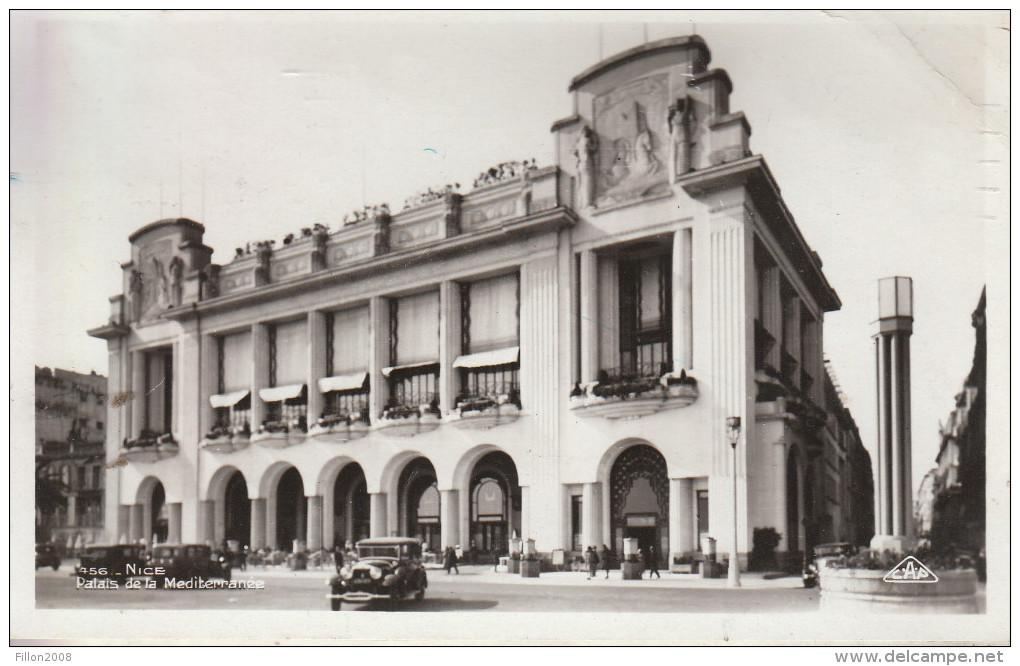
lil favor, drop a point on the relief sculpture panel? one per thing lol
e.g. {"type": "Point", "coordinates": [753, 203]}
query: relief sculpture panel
{"type": "Point", "coordinates": [633, 139]}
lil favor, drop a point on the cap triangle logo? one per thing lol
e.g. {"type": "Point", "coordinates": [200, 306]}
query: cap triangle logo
{"type": "Point", "coordinates": [910, 570]}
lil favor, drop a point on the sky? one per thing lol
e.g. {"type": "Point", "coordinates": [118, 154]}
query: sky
{"type": "Point", "coordinates": [882, 129]}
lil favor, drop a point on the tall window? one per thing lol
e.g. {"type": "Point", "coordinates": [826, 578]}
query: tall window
{"type": "Point", "coordinates": [702, 515]}
{"type": "Point", "coordinates": [490, 339]}
{"type": "Point", "coordinates": [414, 351]}
{"type": "Point", "coordinates": [159, 379]}
{"type": "Point", "coordinates": [347, 351]}
{"type": "Point", "coordinates": [285, 398]}
{"type": "Point", "coordinates": [233, 399]}
{"type": "Point", "coordinates": [576, 503]}
{"type": "Point", "coordinates": [645, 315]}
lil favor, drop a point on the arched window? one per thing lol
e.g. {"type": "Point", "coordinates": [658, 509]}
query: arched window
{"type": "Point", "coordinates": [488, 502]}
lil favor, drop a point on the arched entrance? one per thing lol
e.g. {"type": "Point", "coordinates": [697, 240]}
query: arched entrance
{"type": "Point", "coordinates": [237, 510]}
{"type": "Point", "coordinates": [159, 515]}
{"type": "Point", "coordinates": [419, 503]}
{"type": "Point", "coordinates": [350, 506]}
{"type": "Point", "coordinates": [639, 500]}
{"type": "Point", "coordinates": [792, 512]}
{"type": "Point", "coordinates": [290, 509]}
{"type": "Point", "coordinates": [495, 504]}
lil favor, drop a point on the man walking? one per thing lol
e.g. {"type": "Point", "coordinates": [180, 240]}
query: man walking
{"type": "Point", "coordinates": [652, 563]}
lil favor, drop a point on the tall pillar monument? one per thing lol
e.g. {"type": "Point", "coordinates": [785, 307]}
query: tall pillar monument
{"type": "Point", "coordinates": [894, 524]}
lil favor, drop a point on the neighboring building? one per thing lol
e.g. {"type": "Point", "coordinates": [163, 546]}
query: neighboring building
{"type": "Point", "coordinates": [958, 488]}
{"type": "Point", "coordinates": [553, 354]}
{"type": "Point", "coordinates": [70, 452]}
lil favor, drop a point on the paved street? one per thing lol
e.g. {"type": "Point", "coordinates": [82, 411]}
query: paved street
{"type": "Point", "coordinates": [477, 588]}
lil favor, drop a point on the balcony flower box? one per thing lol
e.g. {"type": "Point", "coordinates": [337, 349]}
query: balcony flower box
{"type": "Point", "coordinates": [482, 413]}
{"type": "Point", "coordinates": [631, 398]}
{"type": "Point", "coordinates": [149, 447]}
{"type": "Point", "coordinates": [408, 420]}
{"type": "Point", "coordinates": [280, 434]}
{"type": "Point", "coordinates": [337, 428]}
{"type": "Point", "coordinates": [226, 439]}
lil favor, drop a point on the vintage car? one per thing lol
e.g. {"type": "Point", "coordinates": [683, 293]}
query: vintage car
{"type": "Point", "coordinates": [817, 557]}
{"type": "Point", "coordinates": [386, 569]}
{"type": "Point", "coordinates": [46, 555]}
{"type": "Point", "coordinates": [189, 560]}
{"type": "Point", "coordinates": [117, 562]}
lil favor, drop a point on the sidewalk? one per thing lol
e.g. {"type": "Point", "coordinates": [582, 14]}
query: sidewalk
{"type": "Point", "coordinates": [484, 574]}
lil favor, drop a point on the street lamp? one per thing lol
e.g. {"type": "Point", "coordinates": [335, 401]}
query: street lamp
{"type": "Point", "coordinates": [733, 428]}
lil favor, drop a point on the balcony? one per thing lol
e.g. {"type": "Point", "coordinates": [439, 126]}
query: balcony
{"type": "Point", "coordinates": [150, 447]}
{"type": "Point", "coordinates": [345, 416]}
{"type": "Point", "coordinates": [484, 412]}
{"type": "Point", "coordinates": [226, 439]}
{"type": "Point", "coordinates": [408, 420]}
{"type": "Point", "coordinates": [286, 422]}
{"type": "Point", "coordinates": [634, 397]}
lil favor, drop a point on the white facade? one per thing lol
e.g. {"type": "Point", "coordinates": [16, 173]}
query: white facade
{"type": "Point", "coordinates": [644, 270]}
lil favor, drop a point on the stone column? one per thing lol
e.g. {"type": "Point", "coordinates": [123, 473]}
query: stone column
{"type": "Point", "coordinates": [258, 523]}
{"type": "Point", "coordinates": [219, 520]}
{"type": "Point", "coordinates": [608, 308]}
{"type": "Point", "coordinates": [591, 514]}
{"type": "Point", "coordinates": [772, 313]}
{"type": "Point", "coordinates": [123, 527]}
{"type": "Point", "coordinates": [449, 508]}
{"type": "Point", "coordinates": [787, 542]}
{"type": "Point", "coordinates": [138, 390]}
{"type": "Point", "coordinates": [72, 509]}
{"type": "Point", "coordinates": [464, 519]}
{"type": "Point", "coordinates": [681, 516]}
{"type": "Point", "coordinates": [173, 528]}
{"type": "Point", "coordinates": [136, 527]}
{"type": "Point", "coordinates": [314, 533]}
{"type": "Point", "coordinates": [379, 353]}
{"type": "Point", "coordinates": [449, 344]}
{"type": "Point", "coordinates": [316, 363]}
{"type": "Point", "coordinates": [377, 514]}
{"type": "Point", "coordinates": [260, 372]}
{"type": "Point", "coordinates": [683, 295]}
{"type": "Point", "coordinates": [209, 374]}
{"type": "Point", "coordinates": [329, 520]}
{"type": "Point", "coordinates": [147, 520]}
{"type": "Point", "coordinates": [205, 519]}
{"type": "Point", "coordinates": [589, 316]}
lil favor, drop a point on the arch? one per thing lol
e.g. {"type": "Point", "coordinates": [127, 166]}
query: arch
{"type": "Point", "coordinates": [236, 510]}
{"type": "Point", "coordinates": [418, 502]}
{"type": "Point", "coordinates": [151, 495]}
{"type": "Point", "coordinates": [218, 482]}
{"type": "Point", "coordinates": [388, 481]}
{"type": "Point", "coordinates": [271, 477]}
{"type": "Point", "coordinates": [465, 466]}
{"type": "Point", "coordinates": [638, 490]}
{"type": "Point", "coordinates": [288, 508]}
{"type": "Point", "coordinates": [494, 503]}
{"type": "Point", "coordinates": [611, 455]}
{"type": "Point", "coordinates": [349, 506]}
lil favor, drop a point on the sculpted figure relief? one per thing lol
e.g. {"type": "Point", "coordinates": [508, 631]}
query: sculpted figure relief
{"type": "Point", "coordinates": [586, 154]}
{"type": "Point", "coordinates": [176, 280]}
{"type": "Point", "coordinates": [679, 138]}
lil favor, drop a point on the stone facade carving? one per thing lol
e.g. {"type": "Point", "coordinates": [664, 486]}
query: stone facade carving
{"type": "Point", "coordinates": [631, 121]}
{"type": "Point", "coordinates": [210, 285]}
{"type": "Point", "coordinates": [136, 295]}
{"type": "Point", "coordinates": [263, 257]}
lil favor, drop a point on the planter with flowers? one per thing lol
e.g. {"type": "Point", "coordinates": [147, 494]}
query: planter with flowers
{"type": "Point", "coordinates": [921, 581]}
{"type": "Point", "coordinates": [226, 439]}
{"type": "Point", "coordinates": [149, 446]}
{"type": "Point", "coordinates": [483, 412]}
{"type": "Point", "coordinates": [409, 420]}
{"type": "Point", "coordinates": [279, 434]}
{"type": "Point", "coordinates": [629, 397]}
{"type": "Point", "coordinates": [338, 428]}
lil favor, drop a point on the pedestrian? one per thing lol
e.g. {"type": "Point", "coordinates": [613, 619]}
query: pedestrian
{"type": "Point", "coordinates": [448, 556]}
{"type": "Point", "coordinates": [606, 554]}
{"type": "Point", "coordinates": [652, 562]}
{"type": "Point", "coordinates": [457, 554]}
{"type": "Point", "coordinates": [591, 558]}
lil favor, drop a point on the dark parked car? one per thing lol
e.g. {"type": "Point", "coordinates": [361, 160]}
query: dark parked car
{"type": "Point", "coordinates": [47, 555]}
{"type": "Point", "coordinates": [387, 568]}
{"type": "Point", "coordinates": [118, 562]}
{"type": "Point", "coordinates": [817, 558]}
{"type": "Point", "coordinates": [184, 561]}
